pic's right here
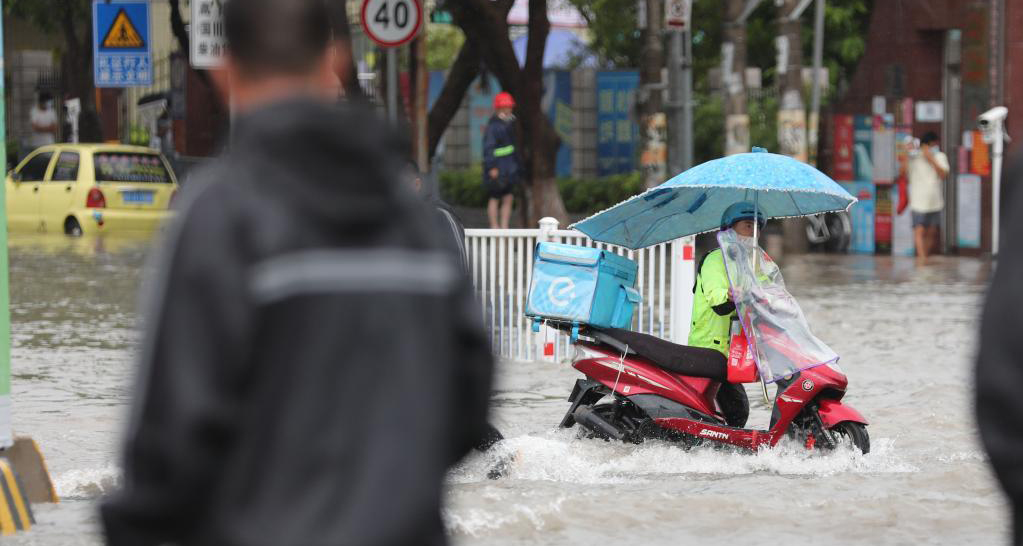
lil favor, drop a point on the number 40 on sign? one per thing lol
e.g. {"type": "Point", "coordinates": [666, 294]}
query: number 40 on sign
{"type": "Point", "coordinates": [391, 23]}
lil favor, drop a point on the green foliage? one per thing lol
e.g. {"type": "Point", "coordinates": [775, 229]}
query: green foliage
{"type": "Point", "coordinates": [613, 36]}
{"type": "Point", "coordinates": [708, 127]}
{"type": "Point", "coordinates": [614, 32]}
{"type": "Point", "coordinates": [465, 188]}
{"type": "Point", "coordinates": [595, 195]}
{"type": "Point", "coordinates": [46, 14]}
{"type": "Point", "coordinates": [442, 45]}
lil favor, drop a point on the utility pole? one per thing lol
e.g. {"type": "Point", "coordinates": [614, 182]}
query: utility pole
{"type": "Point", "coordinates": [653, 127]}
{"type": "Point", "coordinates": [792, 113]}
{"type": "Point", "coordinates": [680, 85]}
{"type": "Point", "coordinates": [733, 77]}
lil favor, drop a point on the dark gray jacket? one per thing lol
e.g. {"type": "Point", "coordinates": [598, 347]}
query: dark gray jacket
{"type": "Point", "coordinates": [999, 376]}
{"type": "Point", "coordinates": [313, 360]}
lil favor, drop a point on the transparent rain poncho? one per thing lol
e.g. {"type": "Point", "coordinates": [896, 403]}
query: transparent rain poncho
{"type": "Point", "coordinates": [778, 334]}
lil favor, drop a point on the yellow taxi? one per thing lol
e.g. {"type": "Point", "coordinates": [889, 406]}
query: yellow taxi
{"type": "Point", "coordinates": [90, 188]}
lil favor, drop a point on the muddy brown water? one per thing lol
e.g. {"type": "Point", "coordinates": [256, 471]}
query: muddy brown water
{"type": "Point", "coordinates": [905, 335]}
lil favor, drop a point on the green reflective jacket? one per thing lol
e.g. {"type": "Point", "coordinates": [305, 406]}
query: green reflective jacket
{"type": "Point", "coordinates": [710, 329]}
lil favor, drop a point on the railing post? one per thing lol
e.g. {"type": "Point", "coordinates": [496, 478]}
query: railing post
{"type": "Point", "coordinates": [683, 276]}
{"type": "Point", "coordinates": [547, 335]}
{"type": "Point", "coordinates": [548, 226]}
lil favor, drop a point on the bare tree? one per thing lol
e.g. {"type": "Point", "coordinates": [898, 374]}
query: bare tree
{"type": "Point", "coordinates": [484, 23]}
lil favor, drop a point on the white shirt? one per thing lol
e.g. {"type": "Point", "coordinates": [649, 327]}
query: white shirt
{"type": "Point", "coordinates": [42, 116]}
{"type": "Point", "coordinates": [926, 187]}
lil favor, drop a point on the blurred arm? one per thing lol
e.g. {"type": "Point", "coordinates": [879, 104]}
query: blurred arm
{"type": "Point", "coordinates": [489, 145]}
{"type": "Point", "coordinates": [185, 401]}
{"type": "Point", "coordinates": [474, 372]}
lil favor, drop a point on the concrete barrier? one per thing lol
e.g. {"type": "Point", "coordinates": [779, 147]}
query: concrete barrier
{"type": "Point", "coordinates": [15, 510]}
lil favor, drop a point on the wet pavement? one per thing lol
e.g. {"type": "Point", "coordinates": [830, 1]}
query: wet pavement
{"type": "Point", "coordinates": [906, 337]}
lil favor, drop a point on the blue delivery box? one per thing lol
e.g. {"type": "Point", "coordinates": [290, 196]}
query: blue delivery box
{"type": "Point", "coordinates": [582, 285]}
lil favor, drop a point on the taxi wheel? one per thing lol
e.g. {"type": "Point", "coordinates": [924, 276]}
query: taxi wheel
{"type": "Point", "coordinates": [72, 228]}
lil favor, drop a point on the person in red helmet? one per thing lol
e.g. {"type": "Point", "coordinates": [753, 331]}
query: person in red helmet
{"type": "Point", "coordinates": [500, 161]}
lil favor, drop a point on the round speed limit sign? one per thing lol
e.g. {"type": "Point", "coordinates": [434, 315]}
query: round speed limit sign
{"type": "Point", "coordinates": [391, 23]}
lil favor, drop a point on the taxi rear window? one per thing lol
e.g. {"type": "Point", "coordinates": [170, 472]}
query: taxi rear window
{"type": "Point", "coordinates": [129, 167]}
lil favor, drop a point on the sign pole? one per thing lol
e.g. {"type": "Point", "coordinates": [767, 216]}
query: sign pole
{"type": "Point", "coordinates": [390, 24]}
{"type": "Point", "coordinates": [392, 86]}
{"type": "Point", "coordinates": [680, 86]}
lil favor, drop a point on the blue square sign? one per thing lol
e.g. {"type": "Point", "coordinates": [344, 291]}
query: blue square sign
{"type": "Point", "coordinates": [122, 54]}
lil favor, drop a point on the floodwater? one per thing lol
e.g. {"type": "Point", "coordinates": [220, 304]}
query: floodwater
{"type": "Point", "coordinates": [906, 337]}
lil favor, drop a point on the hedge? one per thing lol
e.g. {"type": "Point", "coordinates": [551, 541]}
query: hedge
{"type": "Point", "coordinates": [581, 196]}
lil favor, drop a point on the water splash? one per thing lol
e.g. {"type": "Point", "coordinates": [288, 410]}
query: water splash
{"type": "Point", "coordinates": [87, 483]}
{"type": "Point", "coordinates": [560, 457]}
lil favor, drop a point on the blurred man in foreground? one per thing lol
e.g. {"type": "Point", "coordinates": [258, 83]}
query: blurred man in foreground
{"type": "Point", "coordinates": [999, 377]}
{"type": "Point", "coordinates": [313, 360]}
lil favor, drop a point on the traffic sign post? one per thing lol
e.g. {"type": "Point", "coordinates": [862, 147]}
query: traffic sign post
{"type": "Point", "coordinates": [392, 23]}
{"type": "Point", "coordinates": [122, 54]}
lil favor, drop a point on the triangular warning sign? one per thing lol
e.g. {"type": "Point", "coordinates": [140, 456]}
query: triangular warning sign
{"type": "Point", "coordinates": [122, 34]}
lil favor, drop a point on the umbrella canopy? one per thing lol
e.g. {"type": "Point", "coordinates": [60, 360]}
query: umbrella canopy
{"type": "Point", "coordinates": [693, 201]}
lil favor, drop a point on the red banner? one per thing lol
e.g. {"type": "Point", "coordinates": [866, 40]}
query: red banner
{"type": "Point", "coordinates": [842, 164]}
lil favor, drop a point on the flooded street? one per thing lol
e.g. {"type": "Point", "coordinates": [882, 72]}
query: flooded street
{"type": "Point", "coordinates": [905, 336]}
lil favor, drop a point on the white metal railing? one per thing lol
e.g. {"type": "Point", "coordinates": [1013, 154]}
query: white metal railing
{"type": "Point", "coordinates": [501, 261]}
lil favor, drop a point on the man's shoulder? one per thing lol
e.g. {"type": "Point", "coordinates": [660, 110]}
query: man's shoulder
{"type": "Point", "coordinates": [213, 190]}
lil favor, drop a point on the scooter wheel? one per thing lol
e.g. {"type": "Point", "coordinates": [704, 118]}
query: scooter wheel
{"type": "Point", "coordinates": [849, 431]}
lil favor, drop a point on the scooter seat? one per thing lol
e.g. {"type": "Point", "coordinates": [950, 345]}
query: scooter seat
{"type": "Point", "coordinates": [680, 359]}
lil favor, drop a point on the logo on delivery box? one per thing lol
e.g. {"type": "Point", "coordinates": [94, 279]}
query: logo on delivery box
{"type": "Point", "coordinates": [561, 292]}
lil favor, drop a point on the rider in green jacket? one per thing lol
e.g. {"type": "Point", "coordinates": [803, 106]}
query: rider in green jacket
{"type": "Point", "coordinates": [713, 307]}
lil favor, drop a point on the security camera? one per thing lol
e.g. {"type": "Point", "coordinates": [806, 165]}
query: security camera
{"type": "Point", "coordinates": [993, 116]}
{"type": "Point", "coordinates": [992, 124]}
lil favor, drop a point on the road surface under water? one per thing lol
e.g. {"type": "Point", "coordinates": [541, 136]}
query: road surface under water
{"type": "Point", "coordinates": [906, 337]}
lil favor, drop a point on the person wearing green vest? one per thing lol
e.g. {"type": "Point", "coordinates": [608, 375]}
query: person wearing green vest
{"type": "Point", "coordinates": [501, 169]}
{"type": "Point", "coordinates": [713, 308]}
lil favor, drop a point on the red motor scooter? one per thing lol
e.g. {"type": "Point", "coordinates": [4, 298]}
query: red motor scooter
{"type": "Point", "coordinates": [638, 387]}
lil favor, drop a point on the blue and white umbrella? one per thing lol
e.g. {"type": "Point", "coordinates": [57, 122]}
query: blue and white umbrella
{"type": "Point", "coordinates": [693, 201]}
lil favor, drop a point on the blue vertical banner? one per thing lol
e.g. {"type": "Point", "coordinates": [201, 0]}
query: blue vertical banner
{"type": "Point", "coordinates": [617, 131]}
{"type": "Point", "coordinates": [557, 102]}
{"type": "Point", "coordinates": [861, 215]}
{"type": "Point", "coordinates": [122, 52]}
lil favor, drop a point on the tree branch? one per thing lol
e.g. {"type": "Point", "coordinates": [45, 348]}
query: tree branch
{"type": "Point", "coordinates": [482, 21]}
{"type": "Point", "coordinates": [456, 84]}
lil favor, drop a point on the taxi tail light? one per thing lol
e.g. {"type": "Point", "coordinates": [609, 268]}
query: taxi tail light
{"type": "Point", "coordinates": [170, 202]}
{"type": "Point", "coordinates": [96, 199]}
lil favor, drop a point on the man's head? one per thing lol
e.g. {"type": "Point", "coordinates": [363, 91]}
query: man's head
{"type": "Point", "coordinates": [503, 104]}
{"type": "Point", "coordinates": [277, 49]}
{"type": "Point", "coordinates": [44, 98]}
{"type": "Point", "coordinates": [740, 217]}
{"type": "Point", "coordinates": [930, 138]}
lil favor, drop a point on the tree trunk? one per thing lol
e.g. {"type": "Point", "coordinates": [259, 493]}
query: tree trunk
{"type": "Point", "coordinates": [484, 23]}
{"type": "Point", "coordinates": [460, 77]}
{"type": "Point", "coordinates": [791, 113]}
{"type": "Point", "coordinates": [653, 133]}
{"type": "Point", "coordinates": [543, 141]}
{"type": "Point", "coordinates": [733, 80]}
